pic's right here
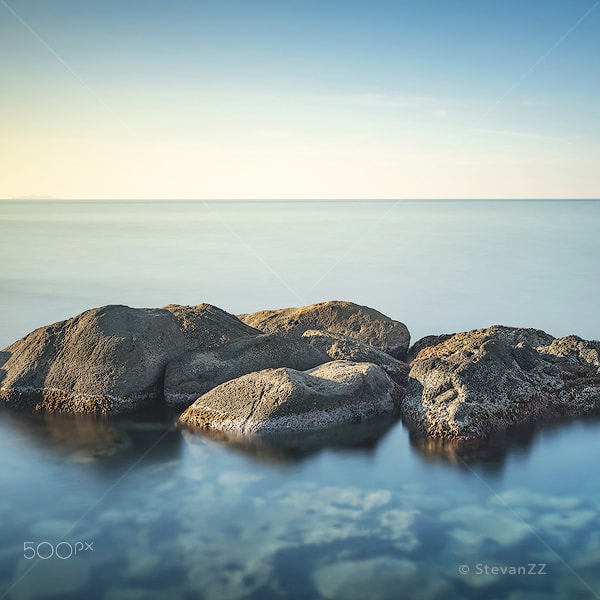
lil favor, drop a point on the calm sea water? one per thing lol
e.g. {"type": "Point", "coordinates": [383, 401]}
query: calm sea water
{"type": "Point", "coordinates": [436, 266]}
{"type": "Point", "coordinates": [360, 512]}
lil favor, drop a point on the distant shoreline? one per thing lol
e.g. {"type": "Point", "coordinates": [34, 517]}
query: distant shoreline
{"type": "Point", "coordinates": [35, 198]}
{"type": "Point", "coordinates": [293, 200]}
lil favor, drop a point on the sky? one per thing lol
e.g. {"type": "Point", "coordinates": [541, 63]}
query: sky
{"type": "Point", "coordinates": [300, 99]}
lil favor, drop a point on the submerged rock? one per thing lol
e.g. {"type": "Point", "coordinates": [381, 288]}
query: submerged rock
{"type": "Point", "coordinates": [360, 322]}
{"type": "Point", "coordinates": [343, 347]}
{"type": "Point", "coordinates": [52, 578]}
{"type": "Point", "coordinates": [486, 380]}
{"type": "Point", "coordinates": [282, 399]}
{"type": "Point", "coordinates": [107, 360]}
{"type": "Point", "coordinates": [378, 578]}
{"type": "Point", "coordinates": [195, 373]}
{"type": "Point", "coordinates": [471, 525]}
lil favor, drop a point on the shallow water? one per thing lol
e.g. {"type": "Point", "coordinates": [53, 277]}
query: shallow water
{"type": "Point", "coordinates": [373, 515]}
{"type": "Point", "coordinates": [364, 511]}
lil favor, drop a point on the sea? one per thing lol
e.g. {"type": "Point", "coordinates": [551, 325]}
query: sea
{"type": "Point", "coordinates": [135, 509]}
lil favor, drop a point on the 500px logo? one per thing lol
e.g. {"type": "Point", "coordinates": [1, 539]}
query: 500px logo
{"type": "Point", "coordinates": [62, 550]}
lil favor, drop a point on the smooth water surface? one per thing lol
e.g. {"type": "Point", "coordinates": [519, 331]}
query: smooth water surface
{"type": "Point", "coordinates": [437, 266]}
{"type": "Point", "coordinates": [360, 512]}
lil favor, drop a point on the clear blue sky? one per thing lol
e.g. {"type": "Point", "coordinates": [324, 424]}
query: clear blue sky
{"type": "Point", "coordinates": [289, 99]}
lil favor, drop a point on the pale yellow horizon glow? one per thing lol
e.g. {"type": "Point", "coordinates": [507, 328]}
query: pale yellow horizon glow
{"type": "Point", "coordinates": [276, 165]}
{"type": "Point", "coordinates": [93, 112]}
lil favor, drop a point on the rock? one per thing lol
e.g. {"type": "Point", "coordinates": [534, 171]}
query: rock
{"type": "Point", "coordinates": [283, 399]}
{"type": "Point", "coordinates": [57, 530]}
{"type": "Point", "coordinates": [195, 373]}
{"type": "Point", "coordinates": [51, 578]}
{"type": "Point", "coordinates": [486, 380]}
{"type": "Point", "coordinates": [472, 525]}
{"type": "Point", "coordinates": [120, 592]}
{"type": "Point", "coordinates": [343, 347]}
{"type": "Point", "coordinates": [570, 521]}
{"type": "Point", "coordinates": [107, 360]}
{"type": "Point", "coordinates": [206, 327]}
{"type": "Point", "coordinates": [236, 480]}
{"type": "Point", "coordinates": [398, 522]}
{"type": "Point", "coordinates": [360, 322]}
{"type": "Point", "coordinates": [574, 350]}
{"type": "Point", "coordinates": [426, 342]}
{"type": "Point", "coordinates": [525, 501]}
{"type": "Point", "coordinates": [379, 578]}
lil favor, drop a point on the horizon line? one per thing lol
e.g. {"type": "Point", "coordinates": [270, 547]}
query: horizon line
{"type": "Point", "coordinates": [429, 199]}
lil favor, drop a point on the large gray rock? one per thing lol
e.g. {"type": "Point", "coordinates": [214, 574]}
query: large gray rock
{"type": "Point", "coordinates": [107, 360]}
{"type": "Point", "coordinates": [343, 347]}
{"type": "Point", "coordinates": [195, 373]}
{"type": "Point", "coordinates": [206, 327]}
{"type": "Point", "coordinates": [481, 381]}
{"type": "Point", "coordinates": [275, 400]}
{"type": "Point", "coordinates": [347, 318]}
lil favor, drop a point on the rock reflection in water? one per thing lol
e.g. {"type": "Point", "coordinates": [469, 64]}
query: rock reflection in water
{"type": "Point", "coordinates": [490, 454]}
{"type": "Point", "coordinates": [291, 447]}
{"type": "Point", "coordinates": [91, 439]}
{"type": "Point", "coordinates": [284, 517]}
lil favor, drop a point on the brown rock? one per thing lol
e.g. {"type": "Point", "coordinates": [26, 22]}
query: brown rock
{"type": "Point", "coordinates": [194, 373]}
{"type": "Point", "coordinates": [486, 380]}
{"type": "Point", "coordinates": [360, 322]}
{"type": "Point", "coordinates": [275, 400]}
{"type": "Point", "coordinates": [206, 327]}
{"type": "Point", "coordinates": [108, 360]}
{"type": "Point", "coordinates": [426, 342]}
{"type": "Point", "coordinates": [343, 347]}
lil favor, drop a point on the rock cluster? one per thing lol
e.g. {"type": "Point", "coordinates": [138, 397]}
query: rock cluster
{"type": "Point", "coordinates": [299, 369]}
{"type": "Point", "coordinates": [117, 359]}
